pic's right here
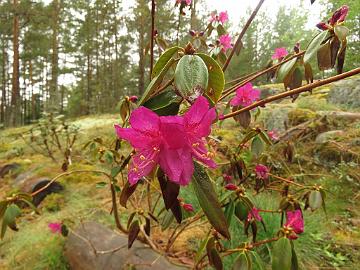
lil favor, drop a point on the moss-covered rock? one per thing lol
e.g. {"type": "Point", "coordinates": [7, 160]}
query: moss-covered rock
{"type": "Point", "coordinates": [346, 92]}
{"type": "Point", "coordinates": [299, 116]}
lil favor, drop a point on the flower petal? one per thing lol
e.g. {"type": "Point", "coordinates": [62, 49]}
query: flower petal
{"type": "Point", "coordinates": [177, 165]}
{"type": "Point", "coordinates": [198, 118]}
{"type": "Point", "coordinates": [142, 164]}
{"type": "Point", "coordinates": [172, 131]}
{"type": "Point", "coordinates": [145, 121]}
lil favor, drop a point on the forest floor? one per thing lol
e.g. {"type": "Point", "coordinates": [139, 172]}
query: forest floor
{"type": "Point", "coordinates": [330, 241]}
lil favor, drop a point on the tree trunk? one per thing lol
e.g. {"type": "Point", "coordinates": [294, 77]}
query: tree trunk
{"type": "Point", "coordinates": [15, 110]}
{"type": "Point", "coordinates": [54, 99]}
{"type": "Point", "coordinates": [3, 84]}
{"type": "Point", "coordinates": [141, 51]}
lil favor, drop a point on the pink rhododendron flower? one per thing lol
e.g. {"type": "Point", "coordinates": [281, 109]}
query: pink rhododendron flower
{"type": "Point", "coordinates": [295, 221]}
{"type": "Point", "coordinates": [231, 187]}
{"type": "Point", "coordinates": [280, 53]}
{"type": "Point", "coordinates": [197, 123]}
{"type": "Point", "coordinates": [262, 172]}
{"type": "Point", "coordinates": [254, 214]}
{"type": "Point", "coordinates": [222, 18]}
{"type": "Point", "coordinates": [170, 141]}
{"type": "Point", "coordinates": [225, 41]}
{"type": "Point", "coordinates": [273, 135]}
{"type": "Point", "coordinates": [187, 207]}
{"type": "Point", "coordinates": [187, 2]}
{"type": "Point", "coordinates": [55, 227]}
{"type": "Point", "coordinates": [245, 95]}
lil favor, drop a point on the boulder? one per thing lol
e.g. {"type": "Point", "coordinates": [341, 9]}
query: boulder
{"type": "Point", "coordinates": [9, 168]}
{"type": "Point", "coordinates": [345, 92]}
{"type": "Point", "coordinates": [54, 187]}
{"type": "Point", "coordinates": [329, 135]}
{"type": "Point", "coordinates": [94, 246]}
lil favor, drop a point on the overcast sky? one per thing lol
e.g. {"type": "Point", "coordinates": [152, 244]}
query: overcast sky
{"type": "Point", "coordinates": [237, 8]}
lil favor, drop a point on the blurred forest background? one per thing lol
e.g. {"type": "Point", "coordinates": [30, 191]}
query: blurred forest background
{"type": "Point", "coordinates": [80, 57]}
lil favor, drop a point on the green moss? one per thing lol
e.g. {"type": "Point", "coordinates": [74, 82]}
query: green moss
{"type": "Point", "coordinates": [299, 116]}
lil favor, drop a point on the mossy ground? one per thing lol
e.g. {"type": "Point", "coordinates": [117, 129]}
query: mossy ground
{"type": "Point", "coordinates": [330, 240]}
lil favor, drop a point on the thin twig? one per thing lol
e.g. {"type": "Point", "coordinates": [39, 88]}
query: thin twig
{"type": "Point", "coordinates": [238, 41]}
{"type": "Point", "coordinates": [153, 6]}
{"type": "Point", "coordinates": [295, 91]}
{"type": "Point", "coordinates": [257, 75]}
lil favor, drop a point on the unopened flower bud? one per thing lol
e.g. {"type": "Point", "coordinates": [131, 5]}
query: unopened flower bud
{"type": "Point", "coordinates": [231, 187]}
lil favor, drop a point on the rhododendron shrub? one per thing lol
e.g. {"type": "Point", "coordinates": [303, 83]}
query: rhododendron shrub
{"type": "Point", "coordinates": [165, 142]}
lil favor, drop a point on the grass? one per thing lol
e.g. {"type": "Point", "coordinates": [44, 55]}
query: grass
{"type": "Point", "coordinates": [327, 241]}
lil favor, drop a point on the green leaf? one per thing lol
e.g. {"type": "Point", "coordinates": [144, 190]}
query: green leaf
{"type": "Point", "coordinates": [9, 219]}
{"type": "Point", "coordinates": [216, 82]}
{"type": "Point", "coordinates": [115, 171]}
{"type": "Point", "coordinates": [282, 254]}
{"type": "Point", "coordinates": [208, 200]}
{"type": "Point", "coordinates": [3, 205]}
{"type": "Point", "coordinates": [242, 262]}
{"type": "Point", "coordinates": [285, 70]}
{"type": "Point", "coordinates": [315, 200]}
{"type": "Point", "coordinates": [221, 30]}
{"type": "Point", "coordinates": [191, 76]}
{"type": "Point", "coordinates": [257, 146]}
{"type": "Point", "coordinates": [166, 103]}
{"type": "Point", "coordinates": [294, 259]}
{"type": "Point", "coordinates": [229, 212]}
{"type": "Point", "coordinates": [201, 249]}
{"type": "Point", "coordinates": [163, 60]}
{"type": "Point", "coordinates": [314, 45]}
{"type": "Point", "coordinates": [155, 82]}
{"type": "Point", "coordinates": [100, 184]}
{"type": "Point", "coordinates": [341, 32]}
{"type": "Point", "coordinates": [167, 220]}
{"type": "Point", "coordinates": [241, 210]}
{"type": "Point", "coordinates": [258, 263]}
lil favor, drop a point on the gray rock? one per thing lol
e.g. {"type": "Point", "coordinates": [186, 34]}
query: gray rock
{"type": "Point", "coordinates": [329, 135]}
{"type": "Point", "coordinates": [345, 92]}
{"type": "Point", "coordinates": [54, 187]}
{"type": "Point", "coordinates": [9, 168]}
{"type": "Point", "coordinates": [81, 254]}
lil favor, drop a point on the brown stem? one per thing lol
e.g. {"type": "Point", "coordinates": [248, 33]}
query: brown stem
{"type": "Point", "coordinates": [238, 41]}
{"type": "Point", "coordinates": [153, 6]}
{"type": "Point", "coordinates": [115, 209]}
{"type": "Point", "coordinates": [286, 180]}
{"type": "Point", "coordinates": [257, 75]}
{"type": "Point", "coordinates": [295, 91]}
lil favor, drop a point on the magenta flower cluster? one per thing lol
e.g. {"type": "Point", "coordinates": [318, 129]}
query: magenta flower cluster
{"type": "Point", "coordinates": [280, 53]}
{"type": "Point", "coordinates": [245, 95]}
{"type": "Point", "coordinates": [222, 17]}
{"type": "Point", "coordinates": [170, 141]}
{"type": "Point", "coordinates": [187, 2]}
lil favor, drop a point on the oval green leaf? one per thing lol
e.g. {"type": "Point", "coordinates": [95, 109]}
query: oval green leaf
{"type": "Point", "coordinates": [282, 254]}
{"type": "Point", "coordinates": [341, 32]}
{"type": "Point", "coordinates": [315, 200]}
{"type": "Point", "coordinates": [206, 195]}
{"type": "Point", "coordinates": [191, 77]}
{"type": "Point", "coordinates": [242, 262]}
{"type": "Point", "coordinates": [314, 45]}
{"type": "Point", "coordinates": [166, 103]}
{"type": "Point", "coordinates": [163, 60]}
{"type": "Point", "coordinates": [285, 69]}
{"type": "Point", "coordinates": [155, 82]}
{"type": "Point", "coordinates": [216, 82]}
